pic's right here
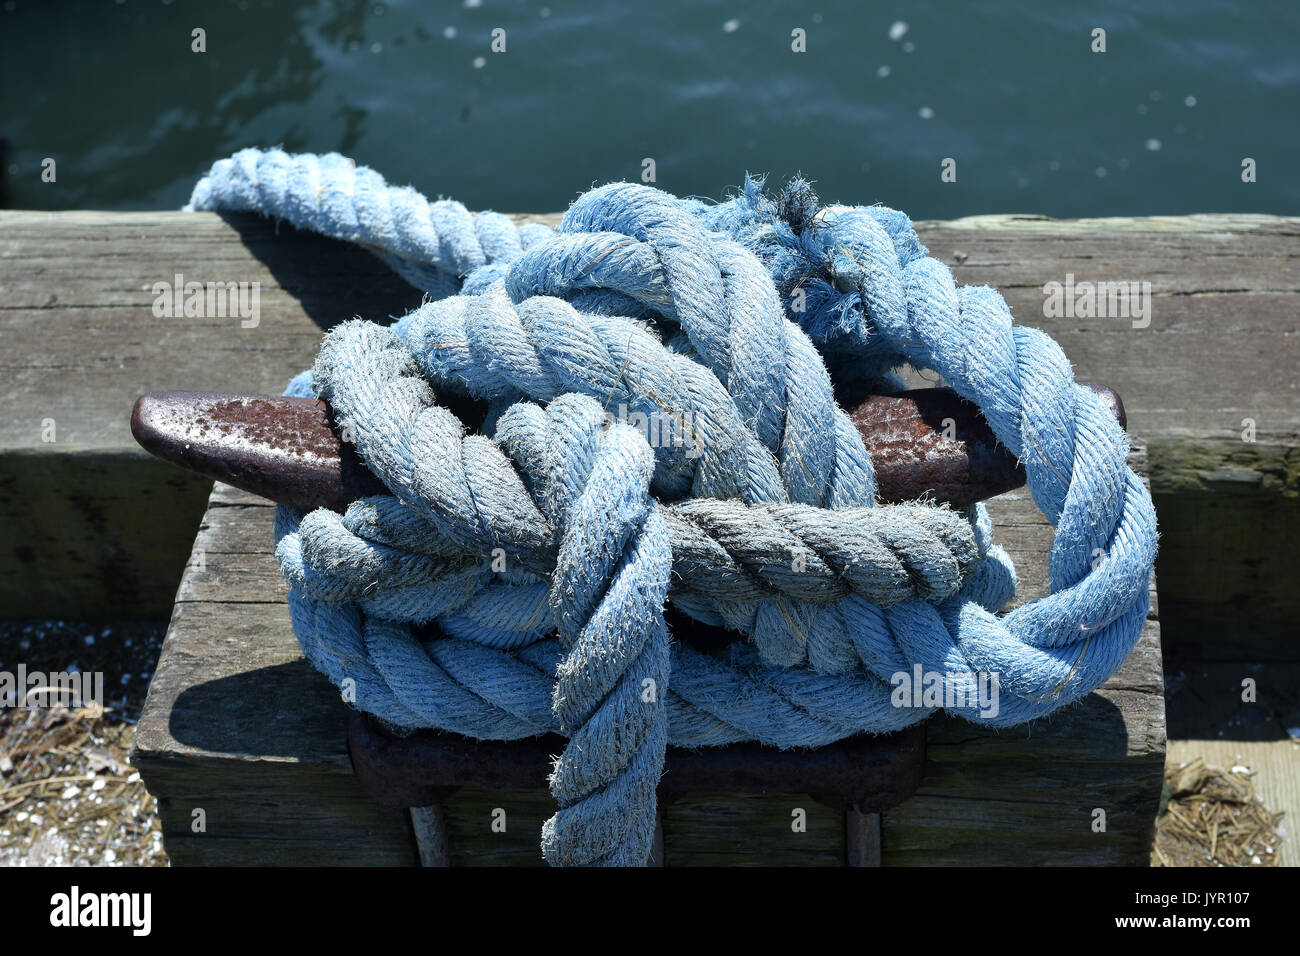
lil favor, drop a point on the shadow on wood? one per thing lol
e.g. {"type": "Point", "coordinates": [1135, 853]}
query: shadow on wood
{"type": "Point", "coordinates": [332, 280]}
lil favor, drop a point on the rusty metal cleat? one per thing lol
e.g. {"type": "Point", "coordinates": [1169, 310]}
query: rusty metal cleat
{"type": "Point", "coordinates": [925, 442]}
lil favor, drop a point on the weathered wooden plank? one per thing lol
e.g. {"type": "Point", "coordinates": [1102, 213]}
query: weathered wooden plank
{"type": "Point", "coordinates": [248, 820]}
{"type": "Point", "coordinates": [217, 715]}
{"type": "Point", "coordinates": [105, 530]}
{"type": "Point", "coordinates": [93, 534]}
{"type": "Point", "coordinates": [701, 829]}
{"type": "Point", "coordinates": [241, 728]}
{"type": "Point", "coordinates": [77, 303]}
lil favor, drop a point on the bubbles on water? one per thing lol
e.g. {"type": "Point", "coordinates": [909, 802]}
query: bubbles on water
{"type": "Point", "coordinates": [449, 33]}
{"type": "Point", "coordinates": [1101, 172]}
{"type": "Point", "coordinates": [897, 30]}
{"type": "Point", "coordinates": [731, 26]}
{"type": "Point", "coordinates": [1153, 144]}
{"type": "Point", "coordinates": [882, 71]}
{"type": "Point", "coordinates": [480, 62]}
{"type": "Point", "coordinates": [925, 112]}
{"type": "Point", "coordinates": [1189, 101]}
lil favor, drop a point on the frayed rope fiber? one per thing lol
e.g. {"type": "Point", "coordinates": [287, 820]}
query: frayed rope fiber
{"type": "Point", "coordinates": [514, 582]}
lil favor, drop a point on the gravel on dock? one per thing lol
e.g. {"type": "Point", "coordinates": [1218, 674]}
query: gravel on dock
{"type": "Point", "coordinates": [68, 796]}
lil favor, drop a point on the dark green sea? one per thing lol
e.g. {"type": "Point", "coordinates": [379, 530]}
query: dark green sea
{"type": "Point", "coordinates": [584, 93]}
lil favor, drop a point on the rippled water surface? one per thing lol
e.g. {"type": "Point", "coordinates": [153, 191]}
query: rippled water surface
{"type": "Point", "coordinates": [584, 93]}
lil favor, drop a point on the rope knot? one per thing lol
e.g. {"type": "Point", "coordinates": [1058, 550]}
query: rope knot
{"type": "Point", "coordinates": [514, 581]}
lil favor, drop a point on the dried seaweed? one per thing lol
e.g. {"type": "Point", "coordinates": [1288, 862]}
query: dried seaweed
{"type": "Point", "coordinates": [1213, 817]}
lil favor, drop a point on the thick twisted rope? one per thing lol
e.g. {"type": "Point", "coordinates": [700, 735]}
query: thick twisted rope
{"type": "Point", "coordinates": [545, 552]}
{"type": "Point", "coordinates": [432, 245]}
{"type": "Point", "coordinates": [722, 551]}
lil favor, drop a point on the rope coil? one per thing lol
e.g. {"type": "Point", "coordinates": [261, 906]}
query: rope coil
{"type": "Point", "coordinates": [544, 544]}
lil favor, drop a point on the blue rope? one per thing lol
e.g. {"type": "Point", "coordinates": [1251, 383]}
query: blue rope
{"type": "Point", "coordinates": [726, 317]}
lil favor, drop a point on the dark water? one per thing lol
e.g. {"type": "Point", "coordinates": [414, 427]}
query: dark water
{"type": "Point", "coordinates": [1036, 122]}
